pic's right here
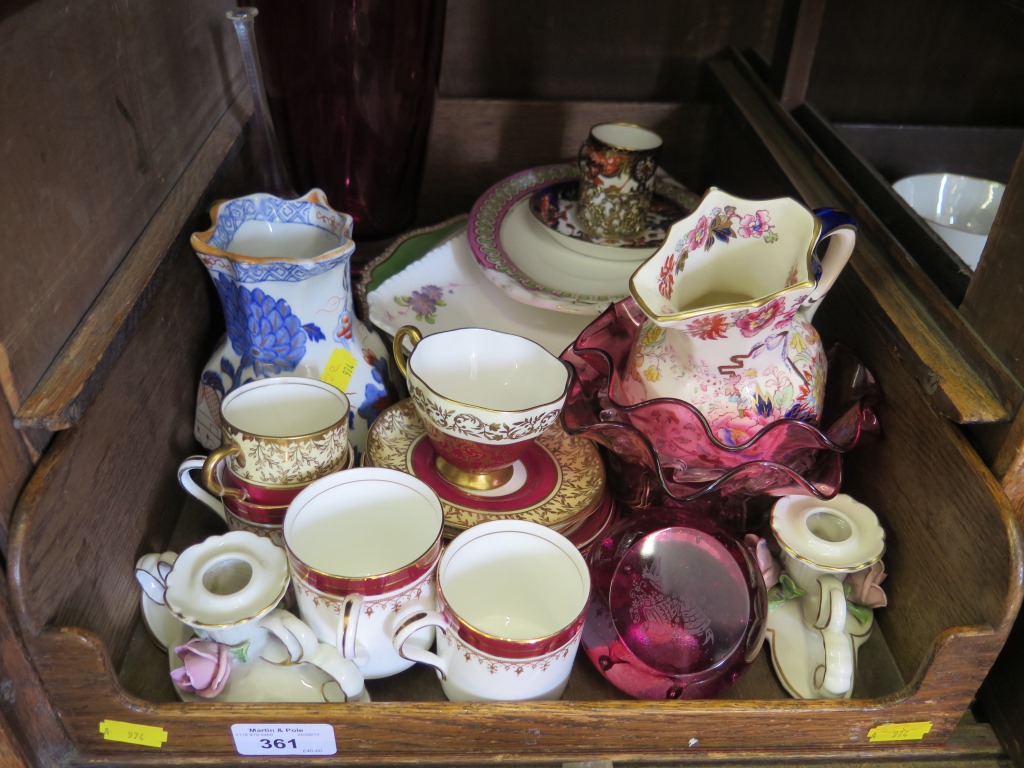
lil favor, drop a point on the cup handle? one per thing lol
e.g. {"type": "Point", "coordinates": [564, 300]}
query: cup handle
{"type": "Point", "coordinates": [348, 623]}
{"type": "Point", "coordinates": [185, 470]}
{"type": "Point", "coordinates": [398, 347]}
{"type": "Point", "coordinates": [832, 606]}
{"type": "Point", "coordinates": [408, 627]}
{"type": "Point", "coordinates": [210, 476]}
{"type": "Point", "coordinates": [304, 646]}
{"type": "Point", "coordinates": [837, 677]}
{"type": "Point", "coordinates": [841, 232]}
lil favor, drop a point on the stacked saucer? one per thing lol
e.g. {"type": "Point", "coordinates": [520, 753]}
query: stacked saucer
{"type": "Point", "coordinates": [277, 436]}
{"type": "Point", "coordinates": [559, 482]}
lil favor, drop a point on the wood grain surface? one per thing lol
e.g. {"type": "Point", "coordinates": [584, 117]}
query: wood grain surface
{"type": "Point", "coordinates": [94, 95]}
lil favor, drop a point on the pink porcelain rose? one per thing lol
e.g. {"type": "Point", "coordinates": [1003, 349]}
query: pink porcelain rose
{"type": "Point", "coordinates": [205, 666]}
{"type": "Point", "coordinates": [864, 587]}
{"type": "Point", "coordinates": [770, 568]}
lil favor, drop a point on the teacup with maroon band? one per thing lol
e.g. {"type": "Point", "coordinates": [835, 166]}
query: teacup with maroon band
{"type": "Point", "coordinates": [511, 599]}
{"type": "Point", "coordinates": [243, 505]}
{"type": "Point", "coordinates": [363, 546]}
{"type": "Point", "coordinates": [484, 398]}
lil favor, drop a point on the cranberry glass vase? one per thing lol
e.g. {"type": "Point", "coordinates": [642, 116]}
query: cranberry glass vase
{"type": "Point", "coordinates": [351, 89]}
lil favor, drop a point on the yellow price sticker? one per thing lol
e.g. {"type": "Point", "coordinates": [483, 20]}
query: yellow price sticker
{"type": "Point", "coordinates": [339, 369]}
{"type": "Point", "coordinates": [130, 733]}
{"type": "Point", "coordinates": [899, 731]}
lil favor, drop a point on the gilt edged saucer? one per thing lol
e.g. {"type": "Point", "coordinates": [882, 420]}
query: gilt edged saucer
{"type": "Point", "coordinates": [558, 482]}
{"type": "Point", "coordinates": [555, 207]}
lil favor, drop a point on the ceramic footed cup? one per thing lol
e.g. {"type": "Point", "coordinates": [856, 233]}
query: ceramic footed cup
{"type": "Point", "coordinates": [228, 590]}
{"type": "Point", "coordinates": [617, 164]}
{"type": "Point", "coordinates": [484, 398]}
{"type": "Point", "coordinates": [822, 542]}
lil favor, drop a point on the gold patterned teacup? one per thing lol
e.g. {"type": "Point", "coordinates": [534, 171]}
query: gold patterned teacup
{"type": "Point", "coordinates": [617, 165]}
{"type": "Point", "coordinates": [484, 397]}
{"type": "Point", "coordinates": [285, 431]}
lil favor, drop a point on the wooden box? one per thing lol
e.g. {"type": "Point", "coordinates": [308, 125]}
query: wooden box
{"type": "Point", "coordinates": [104, 491]}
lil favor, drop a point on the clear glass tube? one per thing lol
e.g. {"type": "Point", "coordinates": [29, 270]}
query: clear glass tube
{"type": "Point", "coordinates": [275, 176]}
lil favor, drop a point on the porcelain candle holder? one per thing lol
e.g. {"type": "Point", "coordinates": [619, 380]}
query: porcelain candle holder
{"type": "Point", "coordinates": [822, 543]}
{"type": "Point", "coordinates": [617, 166]}
{"type": "Point", "coordinates": [228, 589]}
{"type": "Point", "coordinates": [363, 546]}
{"type": "Point", "coordinates": [729, 299]}
{"type": "Point", "coordinates": [282, 269]}
{"type": "Point", "coordinates": [511, 600]}
{"type": "Point", "coordinates": [484, 398]}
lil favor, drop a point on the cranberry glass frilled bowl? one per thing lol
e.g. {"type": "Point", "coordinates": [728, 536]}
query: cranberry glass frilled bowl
{"type": "Point", "coordinates": [663, 451]}
{"type": "Point", "coordinates": [678, 606]}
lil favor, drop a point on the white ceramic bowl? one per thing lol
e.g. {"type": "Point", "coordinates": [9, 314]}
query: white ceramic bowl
{"type": "Point", "coordinates": [959, 208]}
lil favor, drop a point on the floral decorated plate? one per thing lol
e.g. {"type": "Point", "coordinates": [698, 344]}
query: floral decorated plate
{"type": "Point", "coordinates": [558, 482]}
{"type": "Point", "coordinates": [516, 253]}
{"type": "Point", "coordinates": [441, 288]}
{"type": "Point", "coordinates": [270, 678]}
{"type": "Point", "coordinates": [554, 206]}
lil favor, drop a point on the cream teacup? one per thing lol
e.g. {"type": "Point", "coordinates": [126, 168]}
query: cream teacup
{"type": "Point", "coordinates": [511, 600]}
{"type": "Point", "coordinates": [617, 166]}
{"type": "Point", "coordinates": [280, 432]}
{"type": "Point", "coordinates": [363, 546]}
{"type": "Point", "coordinates": [484, 397]}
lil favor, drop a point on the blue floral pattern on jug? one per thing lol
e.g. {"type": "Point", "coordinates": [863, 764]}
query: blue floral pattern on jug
{"type": "Point", "coordinates": [263, 331]}
{"type": "Point", "coordinates": [291, 314]}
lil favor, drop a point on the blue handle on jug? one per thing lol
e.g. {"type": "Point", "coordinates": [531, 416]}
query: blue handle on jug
{"type": "Point", "coordinates": [840, 230]}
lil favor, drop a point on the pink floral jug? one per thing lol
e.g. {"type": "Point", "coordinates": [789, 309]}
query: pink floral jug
{"type": "Point", "coordinates": [729, 298]}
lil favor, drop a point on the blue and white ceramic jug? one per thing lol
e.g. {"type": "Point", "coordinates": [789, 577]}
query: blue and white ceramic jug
{"type": "Point", "coordinates": [282, 269]}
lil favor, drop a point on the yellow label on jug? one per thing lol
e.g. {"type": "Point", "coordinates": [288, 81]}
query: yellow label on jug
{"type": "Point", "coordinates": [899, 731]}
{"type": "Point", "coordinates": [339, 369]}
{"type": "Point", "coordinates": [130, 733]}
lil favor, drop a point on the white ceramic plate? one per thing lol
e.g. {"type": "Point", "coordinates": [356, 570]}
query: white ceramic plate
{"type": "Point", "coordinates": [520, 257]}
{"type": "Point", "coordinates": [445, 289]}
